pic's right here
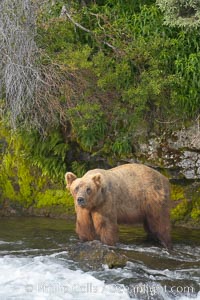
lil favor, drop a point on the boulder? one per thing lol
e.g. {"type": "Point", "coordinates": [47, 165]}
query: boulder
{"type": "Point", "coordinates": [93, 255]}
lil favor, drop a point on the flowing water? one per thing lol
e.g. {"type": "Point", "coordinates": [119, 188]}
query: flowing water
{"type": "Point", "coordinates": [34, 265]}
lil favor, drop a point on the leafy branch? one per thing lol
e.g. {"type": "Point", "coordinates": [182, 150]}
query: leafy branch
{"type": "Point", "coordinates": [64, 12]}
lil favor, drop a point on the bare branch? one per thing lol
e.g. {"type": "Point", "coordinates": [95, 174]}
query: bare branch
{"type": "Point", "coordinates": [31, 92]}
{"type": "Point", "coordinates": [65, 13]}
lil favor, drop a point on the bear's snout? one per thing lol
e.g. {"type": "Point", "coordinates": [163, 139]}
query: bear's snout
{"type": "Point", "coordinates": [81, 201]}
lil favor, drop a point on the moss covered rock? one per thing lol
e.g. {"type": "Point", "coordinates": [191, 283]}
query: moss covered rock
{"type": "Point", "coordinates": [93, 255]}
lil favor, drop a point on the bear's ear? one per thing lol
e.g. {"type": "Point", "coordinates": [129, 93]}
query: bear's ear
{"type": "Point", "coordinates": [69, 178]}
{"type": "Point", "coordinates": [97, 179]}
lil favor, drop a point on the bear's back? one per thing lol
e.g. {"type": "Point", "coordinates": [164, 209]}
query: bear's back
{"type": "Point", "coordinates": [132, 180]}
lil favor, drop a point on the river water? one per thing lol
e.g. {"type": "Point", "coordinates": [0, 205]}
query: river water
{"type": "Point", "coordinates": [34, 264]}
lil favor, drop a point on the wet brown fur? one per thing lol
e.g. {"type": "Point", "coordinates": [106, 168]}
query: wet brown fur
{"type": "Point", "coordinates": [131, 193]}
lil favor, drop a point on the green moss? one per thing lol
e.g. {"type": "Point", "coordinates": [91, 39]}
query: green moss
{"type": "Point", "coordinates": [182, 208]}
{"type": "Point", "coordinates": [177, 192]}
{"type": "Point", "coordinates": [55, 197]}
{"type": "Point", "coordinates": [195, 213]}
{"type": "Point", "coordinates": [16, 181]}
{"type": "Point", "coordinates": [23, 183]}
{"type": "Point", "coordinates": [188, 199]}
{"type": "Point", "coordinates": [7, 189]}
{"type": "Point", "coordinates": [180, 211]}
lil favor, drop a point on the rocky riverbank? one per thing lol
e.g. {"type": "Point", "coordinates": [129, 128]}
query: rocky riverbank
{"type": "Point", "coordinates": [176, 154]}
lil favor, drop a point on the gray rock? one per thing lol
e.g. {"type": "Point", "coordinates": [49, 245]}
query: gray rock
{"type": "Point", "coordinates": [179, 151]}
{"type": "Point", "coordinates": [93, 255]}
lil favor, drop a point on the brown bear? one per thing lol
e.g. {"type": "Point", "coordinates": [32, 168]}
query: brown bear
{"type": "Point", "coordinates": [130, 193]}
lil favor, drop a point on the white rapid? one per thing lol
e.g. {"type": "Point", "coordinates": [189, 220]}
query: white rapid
{"type": "Point", "coordinates": [34, 265]}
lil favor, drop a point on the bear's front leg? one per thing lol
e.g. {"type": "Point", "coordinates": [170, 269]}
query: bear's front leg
{"type": "Point", "coordinates": [84, 225]}
{"type": "Point", "coordinates": [106, 228]}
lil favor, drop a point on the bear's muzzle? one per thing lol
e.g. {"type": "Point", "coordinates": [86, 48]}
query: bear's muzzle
{"type": "Point", "coordinates": [81, 201]}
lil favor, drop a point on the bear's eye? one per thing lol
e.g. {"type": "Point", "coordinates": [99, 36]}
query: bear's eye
{"type": "Point", "coordinates": [88, 190]}
{"type": "Point", "coordinates": [76, 189]}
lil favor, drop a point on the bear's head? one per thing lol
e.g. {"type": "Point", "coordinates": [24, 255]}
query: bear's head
{"type": "Point", "coordinates": [85, 191]}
